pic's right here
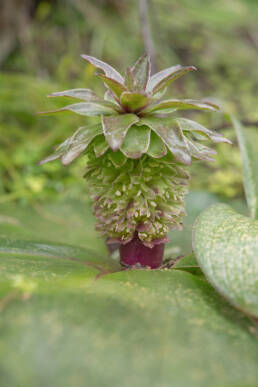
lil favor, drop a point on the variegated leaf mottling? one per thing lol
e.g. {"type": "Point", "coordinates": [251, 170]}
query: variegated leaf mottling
{"type": "Point", "coordinates": [226, 247]}
{"type": "Point", "coordinates": [116, 127]}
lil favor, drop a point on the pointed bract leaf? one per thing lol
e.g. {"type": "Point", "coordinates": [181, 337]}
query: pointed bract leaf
{"type": "Point", "coordinates": [115, 86]}
{"type": "Point", "coordinates": [171, 135]}
{"type": "Point", "coordinates": [248, 140]}
{"type": "Point", "coordinates": [79, 142]}
{"type": "Point", "coordinates": [183, 104]}
{"type": "Point", "coordinates": [116, 127]}
{"type": "Point", "coordinates": [141, 73]}
{"type": "Point", "coordinates": [108, 70]}
{"type": "Point", "coordinates": [117, 158]}
{"type": "Point", "coordinates": [100, 146]}
{"type": "Point", "coordinates": [157, 148]}
{"type": "Point", "coordinates": [60, 150]}
{"type": "Point", "coordinates": [136, 142]}
{"type": "Point", "coordinates": [134, 101]}
{"type": "Point", "coordinates": [226, 247]}
{"type": "Point", "coordinates": [161, 79]}
{"type": "Point", "coordinates": [129, 81]}
{"type": "Point", "coordinates": [85, 94]}
{"type": "Point", "coordinates": [200, 151]}
{"type": "Point", "coordinates": [89, 109]}
{"type": "Point", "coordinates": [192, 126]}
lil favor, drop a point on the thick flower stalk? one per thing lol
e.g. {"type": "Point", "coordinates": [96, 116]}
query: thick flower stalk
{"type": "Point", "coordinates": [137, 154]}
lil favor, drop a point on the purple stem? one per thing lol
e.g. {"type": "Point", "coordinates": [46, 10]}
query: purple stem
{"type": "Point", "coordinates": [135, 253]}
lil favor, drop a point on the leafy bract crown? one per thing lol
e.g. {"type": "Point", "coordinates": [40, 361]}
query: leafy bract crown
{"type": "Point", "coordinates": [134, 118]}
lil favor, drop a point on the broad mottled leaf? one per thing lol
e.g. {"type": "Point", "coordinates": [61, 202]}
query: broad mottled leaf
{"type": "Point", "coordinates": [200, 151]}
{"type": "Point", "coordinates": [183, 104]}
{"type": "Point", "coordinates": [108, 70]}
{"type": "Point", "coordinates": [87, 108]}
{"type": "Point", "coordinates": [116, 87]}
{"type": "Point", "coordinates": [136, 142]}
{"type": "Point", "coordinates": [100, 146]}
{"type": "Point", "coordinates": [134, 101]}
{"type": "Point", "coordinates": [117, 158]}
{"type": "Point", "coordinates": [65, 310]}
{"type": "Point", "coordinates": [248, 140]}
{"type": "Point", "coordinates": [85, 94]}
{"type": "Point", "coordinates": [157, 148]}
{"type": "Point", "coordinates": [79, 142]}
{"type": "Point", "coordinates": [116, 127]}
{"type": "Point", "coordinates": [226, 246]}
{"type": "Point", "coordinates": [73, 146]}
{"type": "Point", "coordinates": [172, 136]}
{"type": "Point", "coordinates": [141, 72]}
{"type": "Point", "coordinates": [192, 126]}
{"type": "Point", "coordinates": [161, 79]}
{"type": "Point", "coordinates": [165, 77]}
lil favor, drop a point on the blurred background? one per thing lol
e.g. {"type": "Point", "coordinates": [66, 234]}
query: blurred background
{"type": "Point", "coordinates": [40, 46]}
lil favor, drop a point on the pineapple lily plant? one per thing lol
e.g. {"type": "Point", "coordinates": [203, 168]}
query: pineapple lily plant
{"type": "Point", "coordinates": [137, 156]}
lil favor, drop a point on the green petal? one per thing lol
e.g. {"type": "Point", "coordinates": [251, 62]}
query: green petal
{"type": "Point", "coordinates": [183, 104]}
{"type": "Point", "coordinates": [161, 79]}
{"type": "Point", "coordinates": [157, 148]}
{"type": "Point", "coordinates": [171, 135]}
{"type": "Point", "coordinates": [108, 70]}
{"type": "Point", "coordinates": [136, 142]}
{"type": "Point", "coordinates": [133, 101]}
{"type": "Point", "coordinates": [192, 126]}
{"type": "Point", "coordinates": [116, 127]}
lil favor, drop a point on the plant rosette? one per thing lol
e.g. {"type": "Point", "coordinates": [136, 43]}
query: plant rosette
{"type": "Point", "coordinates": [137, 156]}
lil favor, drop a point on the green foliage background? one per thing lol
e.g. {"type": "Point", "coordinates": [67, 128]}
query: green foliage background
{"type": "Point", "coordinates": [219, 37]}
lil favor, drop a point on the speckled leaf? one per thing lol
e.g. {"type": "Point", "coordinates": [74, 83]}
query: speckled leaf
{"type": "Point", "coordinates": [248, 140]}
{"type": "Point", "coordinates": [200, 151]}
{"type": "Point", "coordinates": [141, 72]}
{"type": "Point", "coordinates": [134, 101]}
{"type": "Point", "coordinates": [100, 146]}
{"type": "Point", "coordinates": [108, 70]}
{"type": "Point", "coordinates": [116, 87]}
{"type": "Point", "coordinates": [226, 247]}
{"type": "Point", "coordinates": [172, 136]}
{"type": "Point", "coordinates": [87, 108]}
{"type": "Point", "coordinates": [65, 311]}
{"type": "Point", "coordinates": [116, 127]}
{"type": "Point", "coordinates": [85, 94]}
{"type": "Point", "coordinates": [73, 146]}
{"type": "Point", "coordinates": [162, 79]}
{"type": "Point", "coordinates": [183, 104]}
{"type": "Point", "coordinates": [157, 147]}
{"type": "Point", "coordinates": [136, 142]}
{"type": "Point", "coordinates": [192, 126]}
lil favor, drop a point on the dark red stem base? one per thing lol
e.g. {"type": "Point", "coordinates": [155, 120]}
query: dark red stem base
{"type": "Point", "coordinates": [134, 253]}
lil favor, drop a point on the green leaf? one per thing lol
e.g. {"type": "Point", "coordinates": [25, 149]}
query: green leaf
{"type": "Point", "coordinates": [116, 127]}
{"type": "Point", "coordinates": [136, 142]}
{"type": "Point", "coordinates": [116, 87]}
{"type": "Point", "coordinates": [117, 158]}
{"type": "Point", "coordinates": [72, 147]}
{"type": "Point", "coordinates": [141, 73]}
{"type": "Point", "coordinates": [192, 126]}
{"type": "Point", "coordinates": [171, 135]}
{"type": "Point", "coordinates": [87, 108]}
{"type": "Point", "coordinates": [226, 247]}
{"type": "Point", "coordinates": [157, 148]}
{"type": "Point", "coordinates": [183, 104]}
{"type": "Point", "coordinates": [248, 139]}
{"type": "Point", "coordinates": [134, 101]}
{"type": "Point", "coordinates": [160, 80]}
{"type": "Point", "coordinates": [85, 94]}
{"type": "Point", "coordinates": [100, 146]}
{"type": "Point", "coordinates": [66, 310]}
{"type": "Point", "coordinates": [108, 70]}
{"type": "Point", "coordinates": [129, 81]}
{"type": "Point", "coordinates": [200, 151]}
